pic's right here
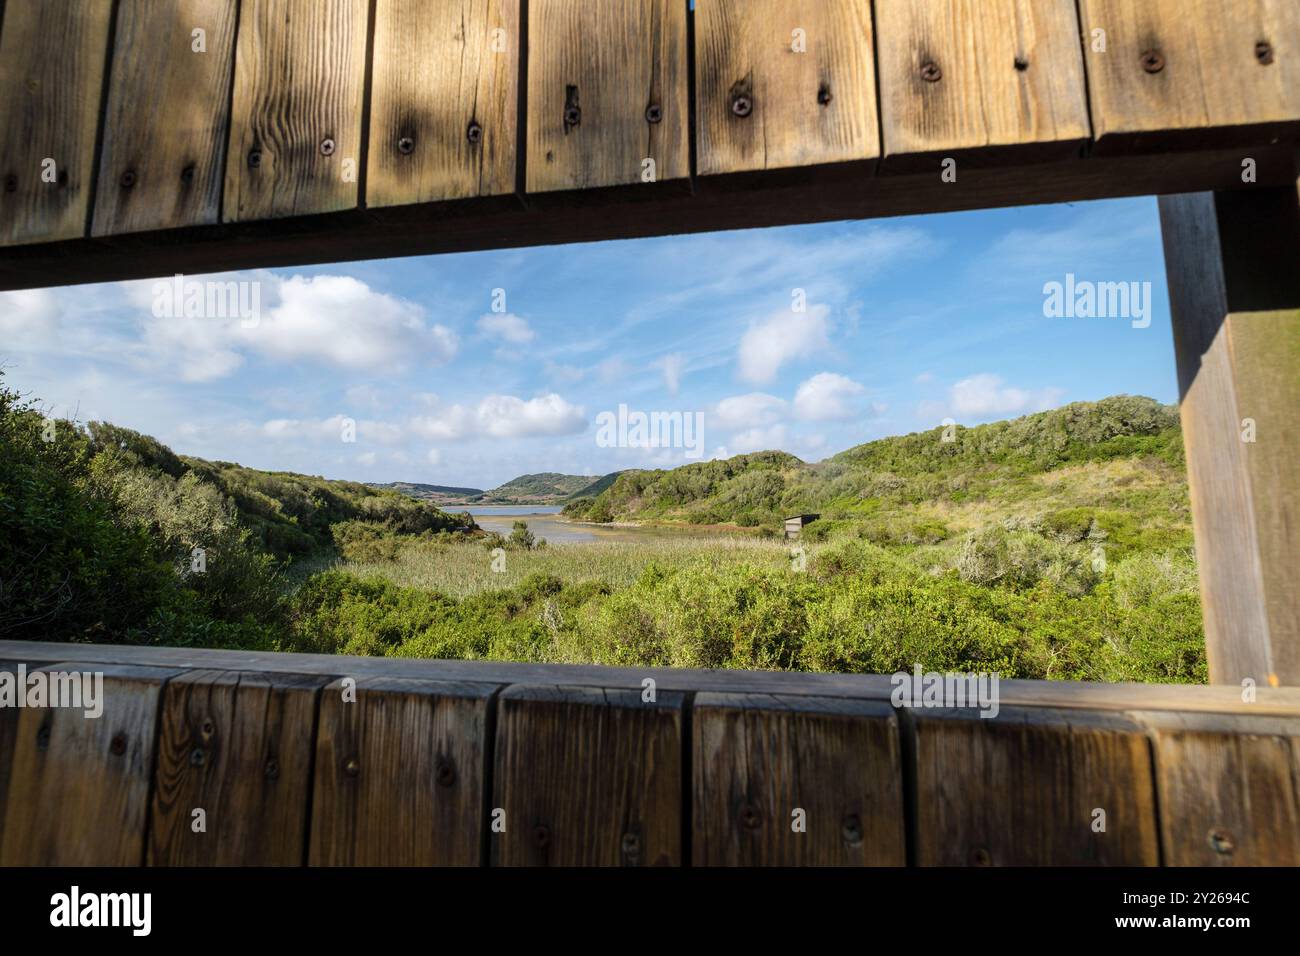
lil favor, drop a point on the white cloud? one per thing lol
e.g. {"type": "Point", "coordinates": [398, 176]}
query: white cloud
{"type": "Point", "coordinates": [672, 366]}
{"type": "Point", "coordinates": [748, 411]}
{"type": "Point", "coordinates": [28, 317]}
{"type": "Point", "coordinates": [434, 457]}
{"type": "Point", "coordinates": [986, 396]}
{"type": "Point", "coordinates": [827, 397]}
{"type": "Point", "coordinates": [507, 328]}
{"type": "Point", "coordinates": [502, 416]}
{"type": "Point", "coordinates": [758, 439]}
{"type": "Point", "coordinates": [783, 337]}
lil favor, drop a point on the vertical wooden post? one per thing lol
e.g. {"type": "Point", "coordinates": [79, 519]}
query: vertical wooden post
{"type": "Point", "coordinates": [1233, 261]}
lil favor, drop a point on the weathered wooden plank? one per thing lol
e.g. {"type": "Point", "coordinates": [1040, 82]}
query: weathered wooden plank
{"type": "Point", "coordinates": [782, 780]}
{"type": "Point", "coordinates": [588, 777]}
{"type": "Point", "coordinates": [607, 91]}
{"type": "Point", "coordinates": [1282, 701]}
{"type": "Point", "coordinates": [1165, 72]}
{"type": "Point", "coordinates": [239, 747]}
{"type": "Point", "coordinates": [162, 162]}
{"type": "Point", "coordinates": [1234, 296]}
{"type": "Point", "coordinates": [400, 774]}
{"type": "Point", "coordinates": [978, 77]}
{"type": "Point", "coordinates": [50, 100]}
{"type": "Point", "coordinates": [296, 114]}
{"type": "Point", "coordinates": [1023, 789]}
{"type": "Point", "coordinates": [444, 100]}
{"type": "Point", "coordinates": [79, 786]}
{"type": "Point", "coordinates": [781, 84]}
{"type": "Point", "coordinates": [8, 736]}
{"type": "Point", "coordinates": [1229, 788]}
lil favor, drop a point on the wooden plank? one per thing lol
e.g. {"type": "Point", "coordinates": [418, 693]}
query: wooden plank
{"type": "Point", "coordinates": [1023, 788]}
{"type": "Point", "coordinates": [1081, 695]}
{"type": "Point", "coordinates": [588, 777]}
{"type": "Point", "coordinates": [8, 738]}
{"type": "Point", "coordinates": [444, 100]}
{"type": "Point", "coordinates": [1234, 296]}
{"type": "Point", "coordinates": [296, 114]}
{"type": "Point", "coordinates": [766, 765]}
{"type": "Point", "coordinates": [607, 90]}
{"type": "Point", "coordinates": [781, 83]}
{"type": "Point", "coordinates": [51, 100]}
{"type": "Point", "coordinates": [400, 774]}
{"type": "Point", "coordinates": [970, 78]}
{"type": "Point", "coordinates": [79, 787]}
{"type": "Point", "coordinates": [239, 747]}
{"type": "Point", "coordinates": [164, 145]}
{"type": "Point", "coordinates": [1228, 789]}
{"type": "Point", "coordinates": [1192, 71]}
{"type": "Point", "coordinates": [793, 199]}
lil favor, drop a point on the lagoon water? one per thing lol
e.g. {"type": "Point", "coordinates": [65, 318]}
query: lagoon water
{"type": "Point", "coordinates": [541, 522]}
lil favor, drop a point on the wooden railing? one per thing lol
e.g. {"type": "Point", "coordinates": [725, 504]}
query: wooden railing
{"type": "Point", "coordinates": [292, 759]}
{"type": "Point", "coordinates": [149, 137]}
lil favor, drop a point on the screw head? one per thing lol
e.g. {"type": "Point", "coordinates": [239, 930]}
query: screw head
{"type": "Point", "coordinates": [187, 175]}
{"type": "Point", "coordinates": [851, 830]}
{"type": "Point", "coordinates": [631, 844]}
{"type": "Point", "coordinates": [327, 147]}
{"type": "Point", "coordinates": [742, 105]}
{"type": "Point", "coordinates": [1022, 63]}
{"type": "Point", "coordinates": [1222, 842]}
{"type": "Point", "coordinates": [406, 145]}
{"type": "Point", "coordinates": [272, 768]}
{"type": "Point", "coordinates": [654, 113]}
{"type": "Point", "coordinates": [572, 116]}
{"type": "Point", "coordinates": [198, 757]}
{"type": "Point", "coordinates": [445, 774]}
{"type": "Point", "coordinates": [254, 158]}
{"type": "Point", "coordinates": [750, 818]}
{"type": "Point", "coordinates": [127, 179]}
{"type": "Point", "coordinates": [542, 835]}
{"type": "Point", "coordinates": [981, 857]}
{"type": "Point", "coordinates": [11, 183]}
{"type": "Point", "coordinates": [1264, 52]}
{"type": "Point", "coordinates": [117, 746]}
{"type": "Point", "coordinates": [930, 72]}
{"type": "Point", "coordinates": [1153, 61]}
{"type": "Point", "coordinates": [352, 766]}
{"type": "Point", "coordinates": [474, 132]}
{"type": "Point", "coordinates": [824, 96]}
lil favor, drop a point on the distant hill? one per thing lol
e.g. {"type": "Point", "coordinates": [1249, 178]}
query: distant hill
{"type": "Point", "coordinates": [1109, 468]}
{"type": "Point", "coordinates": [595, 488]}
{"type": "Point", "coordinates": [546, 488]}
{"type": "Point", "coordinates": [435, 494]}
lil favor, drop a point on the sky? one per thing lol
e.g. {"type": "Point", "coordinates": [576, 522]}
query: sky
{"type": "Point", "coordinates": [472, 369]}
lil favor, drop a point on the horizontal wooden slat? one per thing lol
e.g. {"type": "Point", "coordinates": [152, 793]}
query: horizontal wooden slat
{"type": "Point", "coordinates": [588, 777]}
{"type": "Point", "coordinates": [783, 84]}
{"type": "Point", "coordinates": [52, 57]}
{"type": "Point", "coordinates": [162, 167]}
{"type": "Point", "coordinates": [1191, 71]}
{"type": "Point", "coordinates": [787, 781]}
{"type": "Point", "coordinates": [79, 786]}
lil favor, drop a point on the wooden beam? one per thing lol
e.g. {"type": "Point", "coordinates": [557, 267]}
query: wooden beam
{"type": "Point", "coordinates": [1234, 292]}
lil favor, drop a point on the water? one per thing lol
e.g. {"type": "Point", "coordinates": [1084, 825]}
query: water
{"type": "Point", "coordinates": [540, 519]}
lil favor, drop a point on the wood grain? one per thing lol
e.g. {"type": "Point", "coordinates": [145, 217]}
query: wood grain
{"type": "Point", "coordinates": [50, 100]}
{"type": "Point", "coordinates": [400, 774]}
{"type": "Point", "coordinates": [1209, 83]}
{"type": "Point", "coordinates": [162, 167]}
{"type": "Point", "coordinates": [8, 738]}
{"type": "Point", "coordinates": [239, 746]}
{"type": "Point", "coordinates": [610, 62]}
{"type": "Point", "coordinates": [1005, 76]}
{"type": "Point", "coordinates": [759, 758]}
{"type": "Point", "coordinates": [444, 101]}
{"type": "Point", "coordinates": [300, 68]}
{"type": "Point", "coordinates": [1234, 289]}
{"type": "Point", "coordinates": [1228, 788]}
{"type": "Point", "coordinates": [588, 777]}
{"type": "Point", "coordinates": [803, 108]}
{"type": "Point", "coordinates": [1021, 789]}
{"type": "Point", "coordinates": [79, 787]}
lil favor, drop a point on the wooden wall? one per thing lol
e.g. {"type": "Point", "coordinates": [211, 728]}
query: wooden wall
{"type": "Point", "coordinates": [308, 759]}
{"type": "Point", "coordinates": [145, 137]}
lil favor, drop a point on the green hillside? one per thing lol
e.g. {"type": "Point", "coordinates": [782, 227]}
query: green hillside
{"type": "Point", "coordinates": [545, 487]}
{"type": "Point", "coordinates": [596, 487]}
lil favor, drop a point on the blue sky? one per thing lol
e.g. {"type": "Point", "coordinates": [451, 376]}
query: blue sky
{"type": "Point", "coordinates": [907, 322]}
